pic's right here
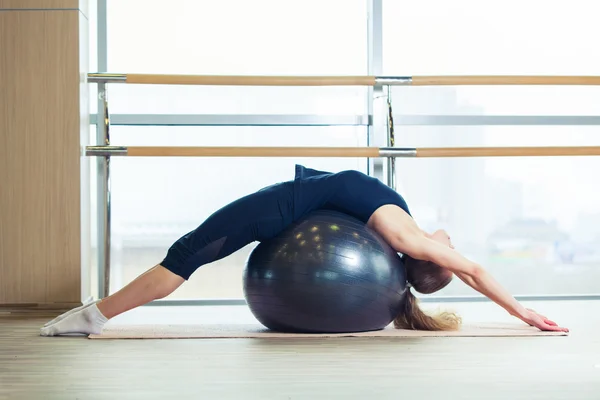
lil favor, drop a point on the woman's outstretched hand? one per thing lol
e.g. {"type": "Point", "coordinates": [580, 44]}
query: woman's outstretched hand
{"type": "Point", "coordinates": [541, 322]}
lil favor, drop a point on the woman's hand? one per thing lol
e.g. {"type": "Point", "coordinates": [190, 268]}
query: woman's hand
{"type": "Point", "coordinates": [541, 322]}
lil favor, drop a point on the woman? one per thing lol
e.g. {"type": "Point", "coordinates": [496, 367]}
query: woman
{"type": "Point", "coordinates": [430, 259]}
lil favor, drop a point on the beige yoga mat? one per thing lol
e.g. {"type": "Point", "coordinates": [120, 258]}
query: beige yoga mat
{"type": "Point", "coordinates": [233, 331]}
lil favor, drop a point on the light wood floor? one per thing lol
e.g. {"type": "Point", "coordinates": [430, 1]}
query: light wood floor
{"type": "Point", "coordinates": [566, 368]}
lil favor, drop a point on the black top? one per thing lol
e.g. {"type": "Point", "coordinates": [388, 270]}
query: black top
{"type": "Point", "coordinates": [350, 192]}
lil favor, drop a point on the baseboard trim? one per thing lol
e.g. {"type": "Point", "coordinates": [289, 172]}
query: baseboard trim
{"type": "Point", "coordinates": [25, 307]}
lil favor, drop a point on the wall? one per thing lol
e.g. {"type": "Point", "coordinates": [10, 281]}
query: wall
{"type": "Point", "coordinates": [44, 121]}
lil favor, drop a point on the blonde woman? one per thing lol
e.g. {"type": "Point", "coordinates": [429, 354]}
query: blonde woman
{"type": "Point", "coordinates": [430, 259]}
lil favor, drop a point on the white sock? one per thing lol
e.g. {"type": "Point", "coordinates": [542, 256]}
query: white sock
{"type": "Point", "coordinates": [88, 320]}
{"type": "Point", "coordinates": [62, 316]}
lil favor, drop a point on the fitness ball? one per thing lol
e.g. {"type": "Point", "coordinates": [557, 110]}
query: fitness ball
{"type": "Point", "coordinates": [326, 273]}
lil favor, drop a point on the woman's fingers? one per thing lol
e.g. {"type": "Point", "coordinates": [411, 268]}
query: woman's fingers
{"type": "Point", "coordinates": [553, 327]}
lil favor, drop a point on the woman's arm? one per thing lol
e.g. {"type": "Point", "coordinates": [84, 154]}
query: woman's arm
{"type": "Point", "coordinates": [483, 282]}
{"type": "Point", "coordinates": [402, 233]}
{"type": "Point", "coordinates": [468, 271]}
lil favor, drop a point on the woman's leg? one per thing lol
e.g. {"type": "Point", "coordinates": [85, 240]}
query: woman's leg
{"type": "Point", "coordinates": [156, 283]}
{"type": "Point", "coordinates": [244, 221]}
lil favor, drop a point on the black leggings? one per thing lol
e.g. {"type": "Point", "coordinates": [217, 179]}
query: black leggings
{"type": "Point", "coordinates": [263, 214]}
{"type": "Point", "coordinates": [255, 217]}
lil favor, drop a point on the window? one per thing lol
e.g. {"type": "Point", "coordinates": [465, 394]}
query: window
{"type": "Point", "coordinates": [533, 222]}
{"type": "Point", "coordinates": [238, 37]}
{"type": "Point", "coordinates": [469, 37]}
{"type": "Point", "coordinates": [157, 200]}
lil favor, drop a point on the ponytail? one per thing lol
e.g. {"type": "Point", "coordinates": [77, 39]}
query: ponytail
{"type": "Point", "coordinates": [412, 317]}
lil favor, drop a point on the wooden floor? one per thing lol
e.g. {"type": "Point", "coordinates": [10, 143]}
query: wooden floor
{"type": "Point", "coordinates": [566, 368]}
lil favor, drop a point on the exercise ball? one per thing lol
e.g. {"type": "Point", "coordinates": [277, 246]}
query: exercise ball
{"type": "Point", "coordinates": [326, 273]}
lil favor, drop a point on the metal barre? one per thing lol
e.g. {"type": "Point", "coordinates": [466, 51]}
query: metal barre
{"type": "Point", "coordinates": [233, 80]}
{"type": "Point", "coordinates": [370, 152]}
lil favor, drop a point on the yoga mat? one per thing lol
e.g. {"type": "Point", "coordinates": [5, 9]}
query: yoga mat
{"type": "Point", "coordinates": [236, 331]}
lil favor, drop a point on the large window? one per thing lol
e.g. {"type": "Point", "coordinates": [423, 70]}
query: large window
{"type": "Point", "coordinates": [471, 37]}
{"type": "Point", "coordinates": [157, 200]}
{"type": "Point", "coordinates": [510, 37]}
{"type": "Point", "coordinates": [534, 222]}
{"type": "Point", "coordinates": [238, 37]}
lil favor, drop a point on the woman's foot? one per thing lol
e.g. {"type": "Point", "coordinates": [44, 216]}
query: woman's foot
{"type": "Point", "coordinates": [156, 283]}
{"type": "Point", "coordinates": [86, 320]}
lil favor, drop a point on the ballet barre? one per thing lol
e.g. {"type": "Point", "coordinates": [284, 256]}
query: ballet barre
{"type": "Point", "coordinates": [369, 152]}
{"type": "Point", "coordinates": [247, 80]}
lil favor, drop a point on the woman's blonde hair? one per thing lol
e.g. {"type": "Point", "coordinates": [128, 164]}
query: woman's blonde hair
{"type": "Point", "coordinates": [425, 277]}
